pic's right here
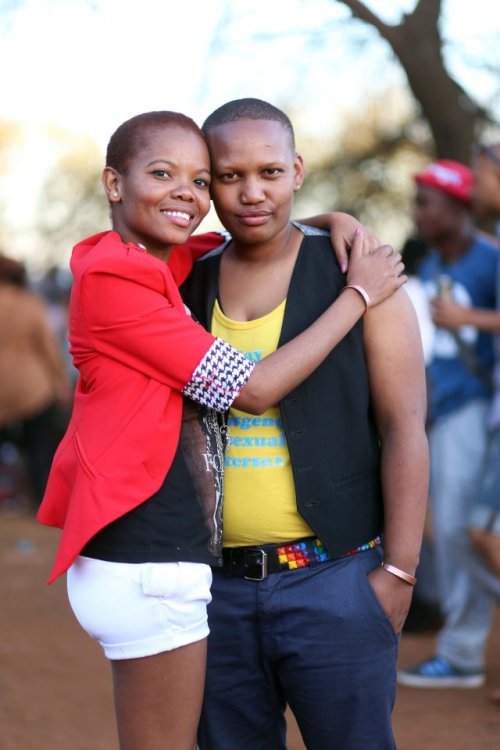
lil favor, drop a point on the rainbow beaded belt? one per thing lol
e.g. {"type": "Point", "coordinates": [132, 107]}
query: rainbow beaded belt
{"type": "Point", "coordinates": [256, 563]}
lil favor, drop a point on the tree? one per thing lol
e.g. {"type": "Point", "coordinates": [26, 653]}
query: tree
{"type": "Point", "coordinates": [452, 115]}
{"type": "Point", "coordinates": [366, 169]}
{"type": "Point", "coordinates": [72, 202]}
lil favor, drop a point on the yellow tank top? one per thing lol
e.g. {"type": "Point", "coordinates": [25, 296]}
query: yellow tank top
{"type": "Point", "coordinates": [259, 492]}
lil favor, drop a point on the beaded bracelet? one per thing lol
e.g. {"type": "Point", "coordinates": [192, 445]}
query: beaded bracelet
{"type": "Point", "coordinates": [361, 291]}
{"type": "Point", "coordinates": [406, 577]}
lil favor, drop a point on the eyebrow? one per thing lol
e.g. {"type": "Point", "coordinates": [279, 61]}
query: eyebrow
{"type": "Point", "coordinates": [172, 164]}
{"type": "Point", "coordinates": [264, 164]}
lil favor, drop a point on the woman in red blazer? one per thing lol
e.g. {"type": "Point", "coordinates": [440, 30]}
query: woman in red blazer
{"type": "Point", "coordinates": [136, 483]}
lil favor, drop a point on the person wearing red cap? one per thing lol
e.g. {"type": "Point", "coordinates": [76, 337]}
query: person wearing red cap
{"type": "Point", "coordinates": [484, 562]}
{"type": "Point", "coordinates": [461, 264]}
{"type": "Point", "coordinates": [449, 177]}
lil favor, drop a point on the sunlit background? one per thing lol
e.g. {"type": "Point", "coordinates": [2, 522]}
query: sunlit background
{"type": "Point", "coordinates": [73, 70]}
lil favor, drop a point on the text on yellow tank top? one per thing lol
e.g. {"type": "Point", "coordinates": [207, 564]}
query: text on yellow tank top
{"type": "Point", "coordinates": [259, 492]}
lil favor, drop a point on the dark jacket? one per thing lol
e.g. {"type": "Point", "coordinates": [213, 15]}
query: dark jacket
{"type": "Point", "coordinates": [328, 420]}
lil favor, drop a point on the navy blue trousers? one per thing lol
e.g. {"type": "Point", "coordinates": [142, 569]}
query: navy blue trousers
{"type": "Point", "coordinates": [316, 639]}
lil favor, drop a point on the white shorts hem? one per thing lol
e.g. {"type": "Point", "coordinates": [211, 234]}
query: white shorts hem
{"type": "Point", "coordinates": [156, 645]}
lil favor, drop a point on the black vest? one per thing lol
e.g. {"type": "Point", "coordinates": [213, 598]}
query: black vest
{"type": "Point", "coordinates": [328, 420]}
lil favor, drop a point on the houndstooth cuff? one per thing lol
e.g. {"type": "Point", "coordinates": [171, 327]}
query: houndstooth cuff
{"type": "Point", "coordinates": [219, 377]}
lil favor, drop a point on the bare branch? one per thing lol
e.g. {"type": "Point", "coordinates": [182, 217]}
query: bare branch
{"type": "Point", "coordinates": [452, 114]}
{"type": "Point", "coordinates": [430, 10]}
{"type": "Point", "coordinates": [359, 10]}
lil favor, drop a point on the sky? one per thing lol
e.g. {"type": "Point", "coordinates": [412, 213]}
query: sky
{"type": "Point", "coordinates": [84, 66]}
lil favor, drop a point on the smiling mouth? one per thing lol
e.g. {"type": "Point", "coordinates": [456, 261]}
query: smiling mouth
{"type": "Point", "coordinates": [178, 215]}
{"type": "Point", "coordinates": [181, 219]}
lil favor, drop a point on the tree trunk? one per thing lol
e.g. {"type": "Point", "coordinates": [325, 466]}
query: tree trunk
{"type": "Point", "coordinates": [417, 43]}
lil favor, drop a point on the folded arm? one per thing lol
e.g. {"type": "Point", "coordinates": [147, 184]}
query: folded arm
{"type": "Point", "coordinates": [448, 314]}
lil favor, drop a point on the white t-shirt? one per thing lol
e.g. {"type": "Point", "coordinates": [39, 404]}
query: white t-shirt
{"type": "Point", "coordinates": [418, 297]}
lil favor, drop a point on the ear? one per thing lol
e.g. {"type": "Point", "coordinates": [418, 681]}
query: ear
{"type": "Point", "coordinates": [298, 168]}
{"type": "Point", "coordinates": [112, 185]}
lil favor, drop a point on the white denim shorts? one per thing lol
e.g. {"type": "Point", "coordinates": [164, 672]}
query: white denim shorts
{"type": "Point", "coordinates": [136, 610]}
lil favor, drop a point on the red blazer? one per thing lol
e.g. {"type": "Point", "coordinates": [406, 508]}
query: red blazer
{"type": "Point", "coordinates": [135, 348]}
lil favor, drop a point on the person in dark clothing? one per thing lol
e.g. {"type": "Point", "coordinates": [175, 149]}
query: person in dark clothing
{"type": "Point", "coordinates": [309, 605]}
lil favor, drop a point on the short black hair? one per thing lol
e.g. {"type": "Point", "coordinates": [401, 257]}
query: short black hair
{"type": "Point", "coordinates": [131, 135]}
{"type": "Point", "coordinates": [248, 109]}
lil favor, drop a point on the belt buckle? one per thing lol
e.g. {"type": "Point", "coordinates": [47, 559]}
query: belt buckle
{"type": "Point", "coordinates": [262, 562]}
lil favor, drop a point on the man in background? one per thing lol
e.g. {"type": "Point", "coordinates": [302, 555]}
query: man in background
{"type": "Point", "coordinates": [460, 265]}
{"type": "Point", "coordinates": [485, 516]}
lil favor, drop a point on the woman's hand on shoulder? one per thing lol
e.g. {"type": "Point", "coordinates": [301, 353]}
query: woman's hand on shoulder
{"type": "Point", "coordinates": [342, 228]}
{"type": "Point", "coordinates": [378, 271]}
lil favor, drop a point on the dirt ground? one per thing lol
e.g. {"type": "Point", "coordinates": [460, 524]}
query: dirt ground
{"type": "Point", "coordinates": [55, 689]}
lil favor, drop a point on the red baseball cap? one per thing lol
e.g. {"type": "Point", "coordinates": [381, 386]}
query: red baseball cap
{"type": "Point", "coordinates": [451, 177]}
